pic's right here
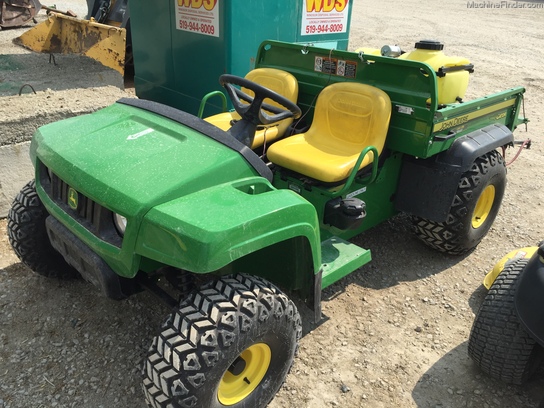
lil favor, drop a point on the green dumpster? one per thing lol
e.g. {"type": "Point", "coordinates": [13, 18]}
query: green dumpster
{"type": "Point", "coordinates": [181, 47]}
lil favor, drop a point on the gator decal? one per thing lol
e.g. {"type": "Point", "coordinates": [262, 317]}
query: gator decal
{"type": "Point", "coordinates": [461, 120]}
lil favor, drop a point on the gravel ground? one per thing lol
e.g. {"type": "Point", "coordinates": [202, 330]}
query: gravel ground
{"type": "Point", "coordinates": [394, 333]}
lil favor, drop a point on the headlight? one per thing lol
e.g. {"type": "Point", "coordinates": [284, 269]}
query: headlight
{"type": "Point", "coordinates": [120, 223]}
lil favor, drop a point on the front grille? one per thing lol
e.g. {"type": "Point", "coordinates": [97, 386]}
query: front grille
{"type": "Point", "coordinates": [91, 215]}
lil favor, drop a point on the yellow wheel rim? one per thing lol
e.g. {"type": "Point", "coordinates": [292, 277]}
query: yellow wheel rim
{"type": "Point", "coordinates": [245, 374]}
{"type": "Point", "coordinates": [483, 206]}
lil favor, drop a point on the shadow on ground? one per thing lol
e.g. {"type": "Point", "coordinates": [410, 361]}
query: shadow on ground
{"type": "Point", "coordinates": [397, 256]}
{"type": "Point", "coordinates": [455, 381]}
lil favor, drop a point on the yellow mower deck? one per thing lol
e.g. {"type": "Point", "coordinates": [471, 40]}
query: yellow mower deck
{"type": "Point", "coordinates": [69, 35]}
{"type": "Point", "coordinates": [525, 253]}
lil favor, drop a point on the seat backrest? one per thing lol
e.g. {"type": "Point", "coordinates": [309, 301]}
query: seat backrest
{"type": "Point", "coordinates": [279, 81]}
{"type": "Point", "coordinates": [350, 116]}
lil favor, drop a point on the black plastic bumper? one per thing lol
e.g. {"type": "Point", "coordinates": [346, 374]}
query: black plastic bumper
{"type": "Point", "coordinates": [84, 260]}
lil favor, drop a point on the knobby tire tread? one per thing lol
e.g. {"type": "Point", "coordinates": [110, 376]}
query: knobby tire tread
{"type": "Point", "coordinates": [28, 236]}
{"type": "Point", "coordinates": [451, 236]}
{"type": "Point", "coordinates": [197, 335]}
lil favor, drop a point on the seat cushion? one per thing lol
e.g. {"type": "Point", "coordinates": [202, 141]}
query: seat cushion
{"type": "Point", "coordinates": [311, 160]}
{"type": "Point", "coordinates": [223, 121]}
{"type": "Point", "coordinates": [348, 118]}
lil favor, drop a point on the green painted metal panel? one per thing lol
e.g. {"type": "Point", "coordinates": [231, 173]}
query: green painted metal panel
{"type": "Point", "coordinates": [340, 258]}
{"type": "Point", "coordinates": [457, 120]}
{"type": "Point", "coordinates": [377, 195]}
{"type": "Point", "coordinates": [207, 230]}
{"type": "Point", "coordinates": [153, 63]}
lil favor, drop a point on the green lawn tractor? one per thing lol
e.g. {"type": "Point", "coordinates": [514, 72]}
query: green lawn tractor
{"type": "Point", "coordinates": [227, 218]}
{"type": "Point", "coordinates": [507, 337]}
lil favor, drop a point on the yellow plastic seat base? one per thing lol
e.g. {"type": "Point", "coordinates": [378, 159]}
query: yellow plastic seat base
{"type": "Point", "coordinates": [348, 118]}
{"type": "Point", "coordinates": [223, 121]}
{"type": "Point", "coordinates": [313, 161]}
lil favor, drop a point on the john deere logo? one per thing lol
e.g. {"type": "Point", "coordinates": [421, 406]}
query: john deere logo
{"type": "Point", "coordinates": [72, 198]}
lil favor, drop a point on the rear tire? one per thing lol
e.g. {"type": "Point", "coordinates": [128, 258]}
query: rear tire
{"type": "Point", "coordinates": [498, 343]}
{"type": "Point", "coordinates": [29, 239]}
{"type": "Point", "coordinates": [474, 208]}
{"type": "Point", "coordinates": [231, 343]}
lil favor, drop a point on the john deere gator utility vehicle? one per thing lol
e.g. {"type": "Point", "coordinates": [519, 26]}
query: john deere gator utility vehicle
{"type": "Point", "coordinates": [216, 219]}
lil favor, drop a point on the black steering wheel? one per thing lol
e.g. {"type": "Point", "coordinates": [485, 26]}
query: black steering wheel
{"type": "Point", "coordinates": [255, 112]}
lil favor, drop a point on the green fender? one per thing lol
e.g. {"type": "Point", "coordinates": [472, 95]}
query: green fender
{"type": "Point", "coordinates": [211, 228]}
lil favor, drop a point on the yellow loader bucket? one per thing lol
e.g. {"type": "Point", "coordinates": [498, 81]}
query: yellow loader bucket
{"type": "Point", "coordinates": [68, 35]}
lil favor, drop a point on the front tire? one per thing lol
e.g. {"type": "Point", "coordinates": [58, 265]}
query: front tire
{"type": "Point", "coordinates": [473, 210]}
{"type": "Point", "coordinates": [498, 343]}
{"type": "Point", "coordinates": [230, 344]}
{"type": "Point", "coordinates": [28, 236]}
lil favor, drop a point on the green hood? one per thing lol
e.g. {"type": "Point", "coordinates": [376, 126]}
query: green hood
{"type": "Point", "coordinates": [133, 159]}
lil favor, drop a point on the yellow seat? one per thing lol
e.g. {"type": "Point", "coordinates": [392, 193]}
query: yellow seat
{"type": "Point", "coordinates": [348, 118]}
{"type": "Point", "coordinates": [278, 81]}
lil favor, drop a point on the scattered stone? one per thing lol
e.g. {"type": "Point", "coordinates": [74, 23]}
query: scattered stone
{"type": "Point", "coordinates": [344, 388]}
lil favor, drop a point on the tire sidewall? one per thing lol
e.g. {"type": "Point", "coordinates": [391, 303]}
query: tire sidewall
{"type": "Point", "coordinates": [203, 337]}
{"type": "Point", "coordinates": [495, 176]}
{"type": "Point", "coordinates": [282, 345]}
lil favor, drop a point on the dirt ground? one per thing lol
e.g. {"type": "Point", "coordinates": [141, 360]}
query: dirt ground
{"type": "Point", "coordinates": [394, 332]}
